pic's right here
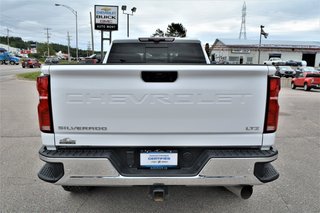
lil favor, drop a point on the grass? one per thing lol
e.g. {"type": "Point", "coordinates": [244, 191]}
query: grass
{"type": "Point", "coordinates": [29, 76]}
{"type": "Point", "coordinates": [67, 62]}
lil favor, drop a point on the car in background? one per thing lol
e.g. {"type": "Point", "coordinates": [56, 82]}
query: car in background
{"type": "Point", "coordinates": [305, 69]}
{"type": "Point", "coordinates": [51, 60]}
{"type": "Point", "coordinates": [30, 63]}
{"type": "Point", "coordinates": [8, 58]}
{"type": "Point", "coordinates": [285, 71]}
{"type": "Point", "coordinates": [274, 61]}
{"type": "Point", "coordinates": [296, 63]}
{"type": "Point", "coordinates": [307, 80]}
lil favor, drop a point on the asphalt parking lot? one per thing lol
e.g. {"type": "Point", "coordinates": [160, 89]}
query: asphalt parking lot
{"type": "Point", "coordinates": [297, 189]}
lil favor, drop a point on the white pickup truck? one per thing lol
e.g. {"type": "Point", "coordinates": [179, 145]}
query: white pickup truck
{"type": "Point", "coordinates": [274, 61]}
{"type": "Point", "coordinates": [157, 113]}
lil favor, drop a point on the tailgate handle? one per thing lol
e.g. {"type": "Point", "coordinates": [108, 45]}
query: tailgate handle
{"type": "Point", "coordinates": [159, 76]}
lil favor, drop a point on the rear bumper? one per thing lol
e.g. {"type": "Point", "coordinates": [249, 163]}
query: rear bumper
{"type": "Point", "coordinates": [98, 168]}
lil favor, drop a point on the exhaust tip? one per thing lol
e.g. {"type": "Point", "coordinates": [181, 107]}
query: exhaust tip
{"type": "Point", "coordinates": [243, 192]}
{"type": "Point", "coordinates": [246, 192]}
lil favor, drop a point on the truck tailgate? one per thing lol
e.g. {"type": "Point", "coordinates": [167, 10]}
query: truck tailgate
{"type": "Point", "coordinates": [93, 104]}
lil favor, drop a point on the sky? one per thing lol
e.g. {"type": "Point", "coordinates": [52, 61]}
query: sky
{"type": "Point", "coordinates": [206, 20]}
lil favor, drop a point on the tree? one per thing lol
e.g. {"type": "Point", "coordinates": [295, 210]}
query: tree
{"type": "Point", "coordinates": [158, 33]}
{"type": "Point", "coordinates": [42, 49]}
{"type": "Point", "coordinates": [176, 30]}
{"type": "Point", "coordinates": [173, 30]}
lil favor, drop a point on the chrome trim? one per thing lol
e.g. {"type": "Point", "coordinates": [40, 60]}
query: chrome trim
{"type": "Point", "coordinates": [101, 172]}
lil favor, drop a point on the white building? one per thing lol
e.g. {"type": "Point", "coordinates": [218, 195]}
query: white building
{"type": "Point", "coordinates": [11, 49]}
{"type": "Point", "coordinates": [235, 51]}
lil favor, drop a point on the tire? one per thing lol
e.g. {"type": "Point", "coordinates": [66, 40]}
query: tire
{"type": "Point", "coordinates": [77, 189]}
{"type": "Point", "coordinates": [292, 85]}
{"type": "Point", "coordinates": [305, 87]}
{"type": "Point", "coordinates": [12, 62]}
{"type": "Point", "coordinates": [23, 66]}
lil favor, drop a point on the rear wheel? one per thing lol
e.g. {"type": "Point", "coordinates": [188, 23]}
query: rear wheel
{"type": "Point", "coordinates": [305, 87]}
{"type": "Point", "coordinates": [12, 62]}
{"type": "Point", "coordinates": [76, 189]}
{"type": "Point", "coordinates": [292, 85]}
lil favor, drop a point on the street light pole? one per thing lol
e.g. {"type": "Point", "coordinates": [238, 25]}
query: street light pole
{"type": "Point", "coordinates": [127, 25]}
{"type": "Point", "coordinates": [76, 15]}
{"type": "Point", "coordinates": [123, 8]}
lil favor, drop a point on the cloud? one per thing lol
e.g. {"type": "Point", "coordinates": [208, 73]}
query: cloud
{"type": "Point", "coordinates": [29, 25]}
{"type": "Point", "coordinates": [296, 26]}
{"type": "Point", "coordinates": [203, 19]}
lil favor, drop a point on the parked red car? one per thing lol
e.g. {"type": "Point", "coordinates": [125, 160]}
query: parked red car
{"type": "Point", "coordinates": [31, 63]}
{"type": "Point", "coordinates": [306, 80]}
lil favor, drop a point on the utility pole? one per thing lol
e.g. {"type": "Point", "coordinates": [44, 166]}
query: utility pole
{"type": "Point", "coordinates": [8, 42]}
{"type": "Point", "coordinates": [48, 36]}
{"type": "Point", "coordinates": [92, 42]}
{"type": "Point", "coordinates": [68, 37]}
{"type": "Point", "coordinates": [88, 48]}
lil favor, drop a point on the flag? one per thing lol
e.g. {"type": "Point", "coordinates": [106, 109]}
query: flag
{"type": "Point", "coordinates": [264, 33]}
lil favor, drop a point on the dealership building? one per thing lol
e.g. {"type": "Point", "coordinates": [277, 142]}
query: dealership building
{"type": "Point", "coordinates": [235, 51]}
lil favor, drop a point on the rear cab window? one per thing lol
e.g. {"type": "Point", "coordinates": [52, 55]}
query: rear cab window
{"type": "Point", "coordinates": [156, 53]}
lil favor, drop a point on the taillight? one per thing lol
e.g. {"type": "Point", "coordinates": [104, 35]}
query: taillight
{"type": "Point", "coordinates": [44, 111]}
{"type": "Point", "coordinates": [272, 110]}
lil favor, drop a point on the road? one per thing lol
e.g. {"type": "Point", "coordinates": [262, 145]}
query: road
{"type": "Point", "coordinates": [8, 72]}
{"type": "Point", "coordinates": [297, 189]}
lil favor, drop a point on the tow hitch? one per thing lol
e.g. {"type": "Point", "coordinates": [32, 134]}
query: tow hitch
{"type": "Point", "coordinates": [158, 192]}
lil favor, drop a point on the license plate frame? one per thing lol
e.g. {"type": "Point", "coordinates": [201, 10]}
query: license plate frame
{"type": "Point", "coordinates": [159, 159]}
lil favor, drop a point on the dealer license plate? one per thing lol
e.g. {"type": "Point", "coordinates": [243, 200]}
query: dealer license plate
{"type": "Point", "coordinates": [159, 159]}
